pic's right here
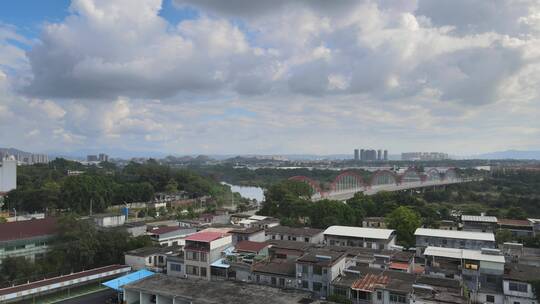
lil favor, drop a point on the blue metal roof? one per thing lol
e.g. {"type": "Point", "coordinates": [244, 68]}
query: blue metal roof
{"type": "Point", "coordinates": [220, 263]}
{"type": "Point", "coordinates": [117, 283]}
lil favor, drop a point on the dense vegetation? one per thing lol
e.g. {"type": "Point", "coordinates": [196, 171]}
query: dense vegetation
{"type": "Point", "coordinates": [49, 187]}
{"type": "Point", "coordinates": [78, 246]}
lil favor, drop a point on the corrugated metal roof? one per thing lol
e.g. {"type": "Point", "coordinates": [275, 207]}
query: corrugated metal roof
{"type": "Point", "coordinates": [117, 283]}
{"type": "Point", "coordinates": [466, 254]}
{"type": "Point", "coordinates": [455, 234]}
{"type": "Point", "coordinates": [478, 218]}
{"type": "Point", "coordinates": [359, 232]}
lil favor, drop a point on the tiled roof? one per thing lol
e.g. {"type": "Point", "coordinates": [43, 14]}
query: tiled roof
{"type": "Point", "coordinates": [205, 236]}
{"type": "Point", "coordinates": [370, 281]}
{"type": "Point", "coordinates": [27, 229]}
{"type": "Point", "coordinates": [512, 222]}
{"type": "Point", "coordinates": [251, 246]}
{"type": "Point", "coordinates": [165, 229]}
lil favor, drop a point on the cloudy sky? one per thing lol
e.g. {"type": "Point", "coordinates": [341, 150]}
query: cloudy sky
{"type": "Point", "coordinates": [246, 76]}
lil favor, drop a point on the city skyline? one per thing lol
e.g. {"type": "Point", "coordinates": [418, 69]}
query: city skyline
{"type": "Point", "coordinates": [202, 77]}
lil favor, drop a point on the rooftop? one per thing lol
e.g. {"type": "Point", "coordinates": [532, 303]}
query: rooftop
{"type": "Point", "coordinates": [321, 257]}
{"type": "Point", "coordinates": [165, 229]}
{"type": "Point", "coordinates": [27, 229]}
{"type": "Point", "coordinates": [248, 246]}
{"type": "Point", "coordinates": [372, 278]}
{"type": "Point", "coordinates": [146, 251]}
{"type": "Point", "coordinates": [205, 236]}
{"type": "Point", "coordinates": [302, 231]}
{"type": "Point", "coordinates": [520, 272]}
{"type": "Point", "coordinates": [359, 232]}
{"type": "Point", "coordinates": [249, 230]}
{"type": "Point", "coordinates": [211, 292]}
{"type": "Point", "coordinates": [478, 218]}
{"type": "Point", "coordinates": [467, 254]}
{"type": "Point", "coordinates": [512, 222]}
{"type": "Point", "coordinates": [455, 234]}
{"type": "Point", "coordinates": [280, 267]}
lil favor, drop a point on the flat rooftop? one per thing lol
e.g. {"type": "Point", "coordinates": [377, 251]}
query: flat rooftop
{"type": "Point", "coordinates": [479, 218]}
{"type": "Point", "coordinates": [465, 254]}
{"type": "Point", "coordinates": [212, 292]}
{"type": "Point", "coordinates": [28, 229]}
{"type": "Point", "coordinates": [205, 236]}
{"type": "Point", "coordinates": [455, 234]}
{"type": "Point", "coordinates": [359, 232]}
{"type": "Point", "coordinates": [294, 231]}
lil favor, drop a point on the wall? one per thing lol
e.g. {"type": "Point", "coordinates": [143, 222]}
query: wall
{"type": "Point", "coordinates": [136, 262]}
{"type": "Point", "coordinates": [8, 175]}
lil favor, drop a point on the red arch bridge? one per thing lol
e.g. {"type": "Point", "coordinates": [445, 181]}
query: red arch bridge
{"type": "Point", "coordinates": [346, 184]}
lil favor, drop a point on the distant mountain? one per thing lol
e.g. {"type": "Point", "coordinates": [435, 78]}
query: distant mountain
{"type": "Point", "coordinates": [510, 154]}
{"type": "Point", "coordinates": [13, 151]}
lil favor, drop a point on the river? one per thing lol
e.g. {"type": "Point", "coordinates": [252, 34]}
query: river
{"type": "Point", "coordinates": [248, 192]}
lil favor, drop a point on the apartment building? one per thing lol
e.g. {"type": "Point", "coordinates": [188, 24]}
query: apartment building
{"type": "Point", "coordinates": [302, 234]}
{"type": "Point", "coordinates": [479, 223]}
{"type": "Point", "coordinates": [151, 258]}
{"type": "Point", "coordinates": [453, 239]}
{"type": "Point", "coordinates": [360, 237]}
{"type": "Point", "coordinates": [317, 269]}
{"type": "Point", "coordinates": [201, 250]}
{"type": "Point", "coordinates": [253, 234]}
{"type": "Point", "coordinates": [170, 235]}
{"type": "Point", "coordinates": [517, 286]}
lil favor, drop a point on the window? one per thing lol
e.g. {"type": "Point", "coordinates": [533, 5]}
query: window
{"type": "Point", "coordinates": [203, 257]}
{"type": "Point", "coordinates": [203, 272]}
{"type": "Point", "coordinates": [192, 270]}
{"type": "Point", "coordinates": [281, 256]}
{"type": "Point", "coordinates": [317, 286]}
{"type": "Point", "coordinates": [445, 242]}
{"type": "Point", "coordinates": [514, 286]}
{"type": "Point", "coordinates": [395, 298]}
{"type": "Point", "coordinates": [379, 295]}
{"type": "Point", "coordinates": [324, 271]}
{"type": "Point", "coordinates": [150, 259]}
{"type": "Point", "coordinates": [317, 270]}
{"type": "Point", "coordinates": [273, 280]}
{"type": "Point", "coordinates": [305, 284]}
{"type": "Point", "coordinates": [273, 237]}
{"type": "Point", "coordinates": [305, 269]}
{"type": "Point", "coordinates": [306, 240]}
{"type": "Point", "coordinates": [281, 282]}
{"type": "Point", "coordinates": [192, 255]}
{"type": "Point", "coordinates": [490, 299]}
{"type": "Point", "coordinates": [160, 259]}
{"type": "Point", "coordinates": [176, 267]}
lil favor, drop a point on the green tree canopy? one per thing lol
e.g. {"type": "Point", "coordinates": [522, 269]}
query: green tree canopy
{"type": "Point", "coordinates": [405, 221]}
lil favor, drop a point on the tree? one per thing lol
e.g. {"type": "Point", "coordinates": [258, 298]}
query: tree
{"type": "Point", "coordinates": [405, 221]}
{"type": "Point", "coordinates": [503, 236]}
{"type": "Point", "coordinates": [172, 186]}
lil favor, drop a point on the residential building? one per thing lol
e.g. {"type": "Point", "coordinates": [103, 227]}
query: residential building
{"type": "Point", "coordinates": [317, 269]}
{"type": "Point", "coordinates": [29, 239]}
{"type": "Point", "coordinates": [360, 237]}
{"type": "Point", "coordinates": [426, 156]}
{"type": "Point", "coordinates": [303, 234]}
{"type": "Point", "coordinates": [201, 250]}
{"type": "Point", "coordinates": [109, 220]}
{"type": "Point", "coordinates": [160, 288]}
{"type": "Point", "coordinates": [479, 223]}
{"type": "Point", "coordinates": [91, 158]}
{"type": "Point", "coordinates": [518, 228]}
{"type": "Point", "coordinates": [249, 247]}
{"type": "Point", "coordinates": [135, 228]}
{"type": "Point", "coordinates": [517, 286]}
{"type": "Point", "coordinates": [260, 221]}
{"type": "Point", "coordinates": [356, 155]}
{"type": "Point", "coordinates": [170, 236]}
{"type": "Point", "coordinates": [374, 222]}
{"type": "Point", "coordinates": [276, 273]}
{"type": "Point", "coordinates": [103, 157]}
{"type": "Point", "coordinates": [253, 234]}
{"type": "Point", "coordinates": [8, 174]}
{"type": "Point", "coordinates": [426, 237]}
{"type": "Point", "coordinates": [385, 155]}
{"type": "Point", "coordinates": [151, 258]}
{"type": "Point", "coordinates": [288, 249]}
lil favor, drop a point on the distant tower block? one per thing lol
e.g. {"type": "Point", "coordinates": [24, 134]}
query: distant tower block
{"type": "Point", "coordinates": [356, 156]}
{"type": "Point", "coordinates": [385, 154]}
{"type": "Point", "coordinates": [379, 154]}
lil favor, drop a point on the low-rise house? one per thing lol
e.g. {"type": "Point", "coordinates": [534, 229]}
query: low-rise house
{"type": "Point", "coordinates": [135, 228]}
{"type": "Point", "coordinates": [237, 217]}
{"type": "Point", "coordinates": [276, 273]}
{"type": "Point", "coordinates": [435, 290]}
{"type": "Point", "coordinates": [259, 221]}
{"type": "Point", "coordinates": [249, 247]}
{"type": "Point", "coordinates": [317, 269]}
{"type": "Point", "coordinates": [394, 260]}
{"type": "Point", "coordinates": [304, 234]}
{"type": "Point", "coordinates": [29, 239]}
{"type": "Point", "coordinates": [518, 228]}
{"type": "Point", "coordinates": [109, 220]}
{"type": "Point", "coordinates": [253, 234]}
{"type": "Point", "coordinates": [151, 258]}
{"type": "Point", "coordinates": [453, 239]}
{"type": "Point", "coordinates": [517, 287]}
{"type": "Point", "coordinates": [211, 219]}
{"type": "Point", "coordinates": [479, 223]}
{"type": "Point", "coordinates": [374, 222]}
{"type": "Point", "coordinates": [360, 237]}
{"type": "Point", "coordinates": [170, 236]}
{"type": "Point", "coordinates": [201, 250]}
{"type": "Point", "coordinates": [288, 249]}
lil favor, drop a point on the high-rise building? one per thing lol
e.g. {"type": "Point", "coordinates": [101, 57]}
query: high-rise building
{"type": "Point", "coordinates": [362, 154]}
{"type": "Point", "coordinates": [356, 156]}
{"type": "Point", "coordinates": [8, 174]}
{"type": "Point", "coordinates": [91, 158]}
{"type": "Point", "coordinates": [103, 157]}
{"type": "Point", "coordinates": [385, 155]}
{"type": "Point", "coordinates": [379, 154]}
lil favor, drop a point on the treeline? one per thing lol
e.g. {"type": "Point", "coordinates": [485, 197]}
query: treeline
{"type": "Point", "coordinates": [48, 187]}
{"type": "Point", "coordinates": [78, 246]}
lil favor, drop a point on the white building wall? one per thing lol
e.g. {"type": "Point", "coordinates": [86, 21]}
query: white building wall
{"type": "Point", "coordinates": [8, 175]}
{"type": "Point", "coordinates": [136, 262]}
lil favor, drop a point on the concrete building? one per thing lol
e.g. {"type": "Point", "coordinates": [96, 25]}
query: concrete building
{"type": "Point", "coordinates": [109, 220]}
{"type": "Point", "coordinates": [253, 234]}
{"type": "Point", "coordinates": [305, 234]}
{"type": "Point", "coordinates": [170, 236]}
{"type": "Point", "coordinates": [356, 155]}
{"type": "Point", "coordinates": [103, 157]}
{"type": "Point", "coordinates": [29, 239]}
{"type": "Point", "coordinates": [317, 269]}
{"type": "Point", "coordinates": [8, 174]}
{"type": "Point", "coordinates": [151, 258]}
{"type": "Point", "coordinates": [453, 239]}
{"type": "Point", "coordinates": [518, 228]}
{"type": "Point", "coordinates": [379, 154]}
{"type": "Point", "coordinates": [92, 158]}
{"type": "Point", "coordinates": [479, 223]}
{"type": "Point", "coordinates": [360, 237]}
{"type": "Point", "coordinates": [516, 284]}
{"type": "Point", "coordinates": [275, 272]}
{"type": "Point", "coordinates": [201, 250]}
{"type": "Point", "coordinates": [374, 222]}
{"type": "Point", "coordinates": [385, 155]}
{"type": "Point", "coordinates": [162, 289]}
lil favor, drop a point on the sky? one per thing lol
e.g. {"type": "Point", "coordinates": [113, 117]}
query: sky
{"type": "Point", "coordinates": [270, 77]}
